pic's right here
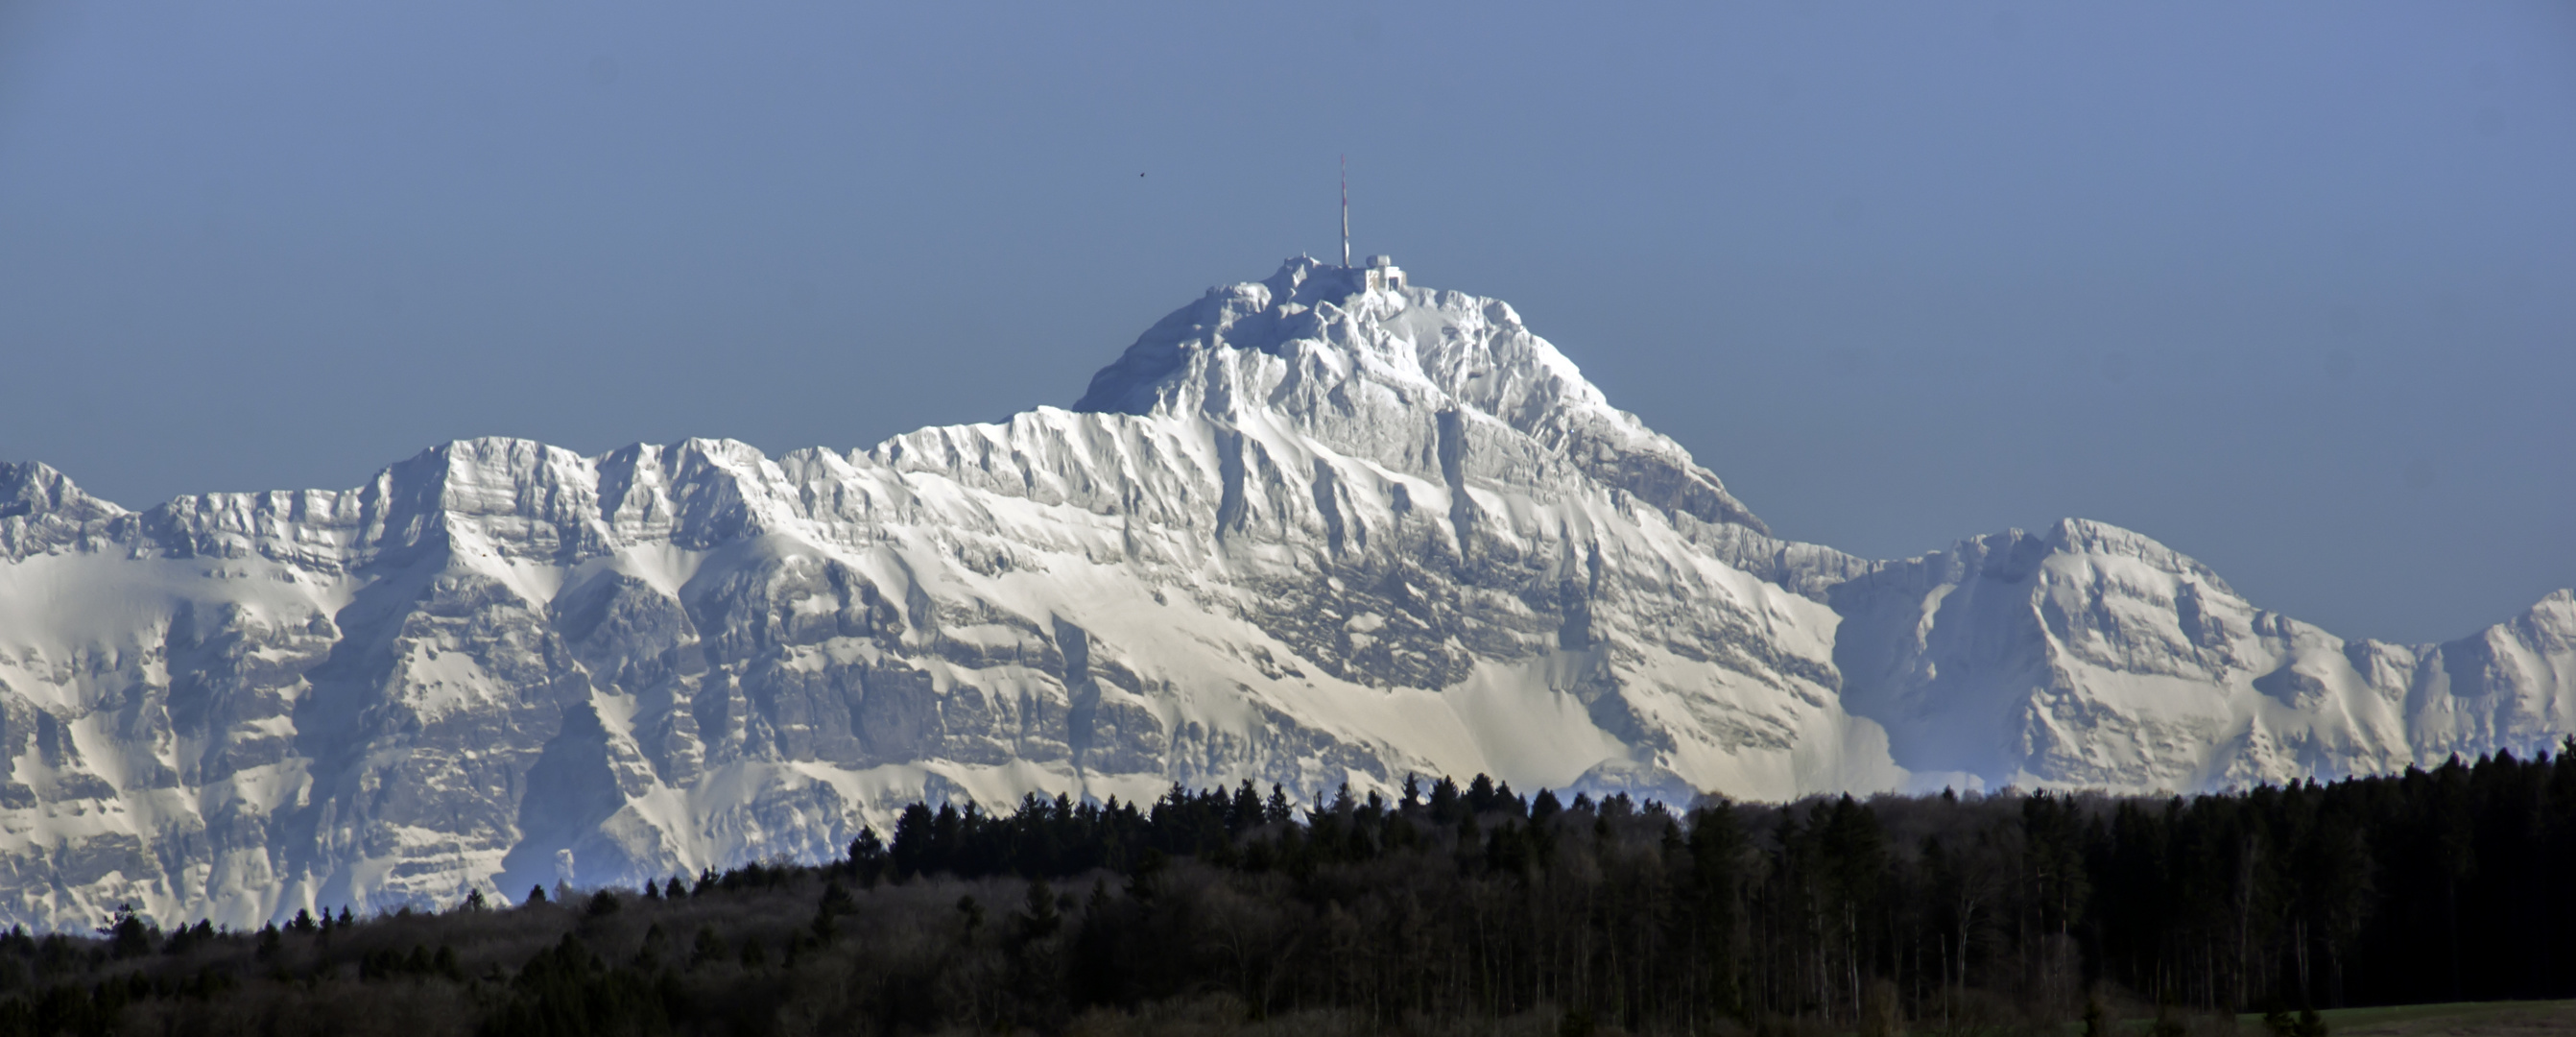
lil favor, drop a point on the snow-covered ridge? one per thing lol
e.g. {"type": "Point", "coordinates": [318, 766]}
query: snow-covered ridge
{"type": "Point", "coordinates": [2090, 655]}
{"type": "Point", "coordinates": [1311, 345]}
{"type": "Point", "coordinates": [1301, 532]}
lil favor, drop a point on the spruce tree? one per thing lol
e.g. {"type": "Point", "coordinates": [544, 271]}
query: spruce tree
{"type": "Point", "coordinates": [868, 859]}
{"type": "Point", "coordinates": [1039, 918]}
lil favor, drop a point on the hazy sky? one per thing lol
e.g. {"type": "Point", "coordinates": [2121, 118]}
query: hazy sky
{"type": "Point", "coordinates": [2289, 286]}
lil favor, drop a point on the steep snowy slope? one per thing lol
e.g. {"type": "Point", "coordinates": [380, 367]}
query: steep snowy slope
{"type": "Point", "coordinates": [2092, 656]}
{"type": "Point", "coordinates": [1302, 532]}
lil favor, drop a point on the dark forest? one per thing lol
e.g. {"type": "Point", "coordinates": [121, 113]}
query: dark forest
{"type": "Point", "coordinates": [1449, 910]}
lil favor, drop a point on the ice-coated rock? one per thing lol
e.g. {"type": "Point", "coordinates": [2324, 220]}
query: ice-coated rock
{"type": "Point", "coordinates": [2089, 655]}
{"type": "Point", "coordinates": [1302, 532]}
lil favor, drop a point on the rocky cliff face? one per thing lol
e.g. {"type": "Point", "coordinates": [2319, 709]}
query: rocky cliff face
{"type": "Point", "coordinates": [1300, 533]}
{"type": "Point", "coordinates": [2089, 655]}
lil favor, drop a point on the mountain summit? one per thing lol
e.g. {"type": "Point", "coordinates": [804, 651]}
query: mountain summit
{"type": "Point", "coordinates": [1313, 531]}
{"type": "Point", "coordinates": [1315, 345]}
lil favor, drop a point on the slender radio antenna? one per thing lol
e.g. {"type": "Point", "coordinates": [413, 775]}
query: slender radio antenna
{"type": "Point", "coordinates": [1346, 212]}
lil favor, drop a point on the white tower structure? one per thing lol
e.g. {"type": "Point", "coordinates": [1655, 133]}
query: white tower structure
{"type": "Point", "coordinates": [1346, 212]}
{"type": "Point", "coordinates": [1382, 273]}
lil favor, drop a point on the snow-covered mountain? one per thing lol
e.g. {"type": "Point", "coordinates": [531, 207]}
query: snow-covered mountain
{"type": "Point", "coordinates": [1304, 531]}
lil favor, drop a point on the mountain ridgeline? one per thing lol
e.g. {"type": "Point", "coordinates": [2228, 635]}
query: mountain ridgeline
{"type": "Point", "coordinates": [1305, 532]}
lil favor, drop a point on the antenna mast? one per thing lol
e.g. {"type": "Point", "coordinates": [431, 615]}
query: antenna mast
{"type": "Point", "coordinates": [1346, 212]}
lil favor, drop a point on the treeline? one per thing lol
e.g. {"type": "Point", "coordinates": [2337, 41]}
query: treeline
{"type": "Point", "coordinates": [1446, 910]}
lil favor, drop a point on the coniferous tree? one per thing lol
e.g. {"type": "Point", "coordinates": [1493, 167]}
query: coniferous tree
{"type": "Point", "coordinates": [868, 858]}
{"type": "Point", "coordinates": [1934, 913]}
{"type": "Point", "coordinates": [128, 935]}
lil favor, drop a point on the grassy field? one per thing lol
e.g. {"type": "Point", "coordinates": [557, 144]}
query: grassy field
{"type": "Point", "coordinates": [2459, 1019]}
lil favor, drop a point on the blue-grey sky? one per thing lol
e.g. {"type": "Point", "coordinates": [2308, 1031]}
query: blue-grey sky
{"type": "Point", "coordinates": [2287, 285]}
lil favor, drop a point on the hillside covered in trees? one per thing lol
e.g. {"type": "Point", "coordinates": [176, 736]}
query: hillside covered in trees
{"type": "Point", "coordinates": [1450, 910]}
